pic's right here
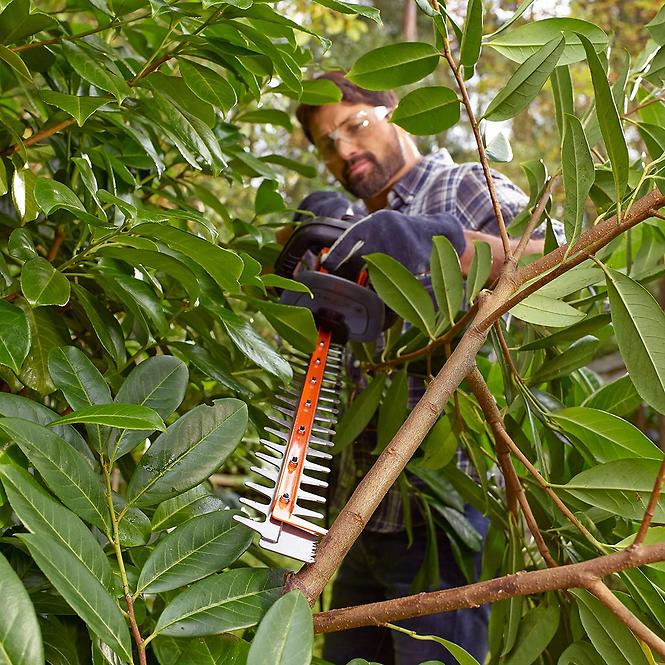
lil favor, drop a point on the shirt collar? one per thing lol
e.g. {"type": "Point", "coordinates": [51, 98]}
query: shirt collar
{"type": "Point", "coordinates": [411, 182]}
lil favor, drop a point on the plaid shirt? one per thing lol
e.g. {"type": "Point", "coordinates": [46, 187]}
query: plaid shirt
{"type": "Point", "coordinates": [435, 184]}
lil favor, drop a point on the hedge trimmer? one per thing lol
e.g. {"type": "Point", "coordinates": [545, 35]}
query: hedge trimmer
{"type": "Point", "coordinates": [294, 465]}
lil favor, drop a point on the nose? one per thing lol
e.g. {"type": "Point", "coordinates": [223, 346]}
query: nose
{"type": "Point", "coordinates": [345, 148]}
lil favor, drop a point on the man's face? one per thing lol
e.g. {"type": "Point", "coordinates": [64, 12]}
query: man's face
{"type": "Point", "coordinates": [364, 162]}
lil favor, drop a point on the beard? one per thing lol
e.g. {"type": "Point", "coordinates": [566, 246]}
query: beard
{"type": "Point", "coordinates": [367, 184]}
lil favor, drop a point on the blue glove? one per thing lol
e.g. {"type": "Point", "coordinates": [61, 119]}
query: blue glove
{"type": "Point", "coordinates": [324, 204]}
{"type": "Point", "coordinates": [407, 238]}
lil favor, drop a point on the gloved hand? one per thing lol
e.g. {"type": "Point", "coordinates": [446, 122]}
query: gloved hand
{"type": "Point", "coordinates": [324, 204]}
{"type": "Point", "coordinates": [407, 238]}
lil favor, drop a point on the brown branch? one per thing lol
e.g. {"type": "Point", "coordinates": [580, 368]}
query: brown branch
{"type": "Point", "coordinates": [136, 632]}
{"type": "Point", "coordinates": [505, 241]}
{"type": "Point", "coordinates": [505, 350]}
{"type": "Point", "coordinates": [651, 507]}
{"type": "Point", "coordinates": [57, 242]}
{"type": "Point", "coordinates": [501, 436]}
{"type": "Point", "coordinates": [660, 98]}
{"type": "Point", "coordinates": [35, 138]}
{"type": "Point", "coordinates": [626, 617]}
{"type": "Point", "coordinates": [576, 575]}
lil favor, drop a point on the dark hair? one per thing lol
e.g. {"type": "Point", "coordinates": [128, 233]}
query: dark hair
{"type": "Point", "coordinates": [351, 93]}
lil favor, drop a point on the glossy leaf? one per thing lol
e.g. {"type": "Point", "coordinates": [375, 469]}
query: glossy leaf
{"type": "Point", "coordinates": [622, 487]}
{"type": "Point", "coordinates": [285, 635]}
{"type": "Point", "coordinates": [208, 85]}
{"type": "Point", "coordinates": [367, 11]}
{"type": "Point", "coordinates": [577, 278]}
{"type": "Point", "coordinates": [125, 416]}
{"type": "Point", "coordinates": [606, 436]}
{"type": "Point", "coordinates": [202, 546]}
{"type": "Point", "coordinates": [535, 632]}
{"type": "Point", "coordinates": [42, 284]}
{"type": "Point", "coordinates": [523, 86]}
{"type": "Point", "coordinates": [427, 111]}
{"type": "Point", "coordinates": [393, 410]}
{"type": "Point", "coordinates": [67, 474]}
{"type": "Point", "coordinates": [233, 600]}
{"type": "Point", "coordinates": [41, 513]}
{"type": "Point", "coordinates": [472, 33]}
{"type": "Point", "coordinates": [481, 267]}
{"type": "Point", "coordinates": [223, 266]}
{"type": "Point", "coordinates": [20, 637]}
{"type": "Point", "coordinates": [184, 507]}
{"type": "Point", "coordinates": [390, 66]}
{"type": "Point", "coordinates": [611, 638]}
{"type": "Point", "coordinates": [294, 324]}
{"type": "Point", "coordinates": [317, 92]}
{"type": "Point", "coordinates": [188, 452]}
{"type": "Point", "coordinates": [401, 291]}
{"type": "Point", "coordinates": [17, 23]}
{"type": "Point", "coordinates": [639, 323]}
{"type": "Point", "coordinates": [610, 124]}
{"type": "Point", "coordinates": [79, 107]}
{"type": "Point", "coordinates": [15, 62]}
{"type": "Point", "coordinates": [657, 27]}
{"type": "Point", "coordinates": [618, 397]}
{"type": "Point", "coordinates": [267, 116]}
{"type": "Point", "coordinates": [134, 526]}
{"type": "Point", "coordinates": [577, 355]}
{"type": "Point", "coordinates": [225, 649]}
{"type": "Point", "coordinates": [92, 602]}
{"type": "Point", "coordinates": [23, 185]}
{"type": "Point", "coordinates": [562, 90]}
{"type": "Point", "coordinates": [521, 42]}
{"type": "Point", "coordinates": [159, 383]}
{"type": "Point", "coordinates": [580, 653]}
{"type": "Point", "coordinates": [358, 415]}
{"type": "Point", "coordinates": [16, 338]}
{"type": "Point", "coordinates": [544, 311]}
{"type": "Point", "coordinates": [447, 280]}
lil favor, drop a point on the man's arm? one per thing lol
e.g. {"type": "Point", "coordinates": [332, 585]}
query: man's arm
{"type": "Point", "coordinates": [534, 246]}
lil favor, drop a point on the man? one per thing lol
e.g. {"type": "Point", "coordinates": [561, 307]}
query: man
{"type": "Point", "coordinates": [405, 199]}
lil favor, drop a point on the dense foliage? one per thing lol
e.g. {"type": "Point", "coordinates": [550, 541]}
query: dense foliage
{"type": "Point", "coordinates": [134, 308]}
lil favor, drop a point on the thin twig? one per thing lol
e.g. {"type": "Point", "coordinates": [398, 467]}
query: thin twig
{"type": "Point", "coordinates": [57, 242]}
{"type": "Point", "coordinates": [651, 507]}
{"type": "Point", "coordinates": [501, 436]}
{"type": "Point", "coordinates": [481, 150]}
{"type": "Point", "coordinates": [35, 138]}
{"type": "Point", "coordinates": [607, 598]}
{"type": "Point", "coordinates": [506, 351]}
{"type": "Point", "coordinates": [535, 218]}
{"type": "Point", "coordinates": [660, 98]}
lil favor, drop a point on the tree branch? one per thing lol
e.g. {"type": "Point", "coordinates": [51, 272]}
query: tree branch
{"type": "Point", "coordinates": [651, 507]}
{"type": "Point", "coordinates": [534, 219]}
{"type": "Point", "coordinates": [35, 138]}
{"type": "Point", "coordinates": [576, 575]}
{"type": "Point", "coordinates": [493, 415]}
{"type": "Point", "coordinates": [626, 617]}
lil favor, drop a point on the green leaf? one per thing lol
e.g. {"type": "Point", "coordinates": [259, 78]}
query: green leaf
{"type": "Point", "coordinates": [233, 600]}
{"type": "Point", "coordinates": [577, 278]}
{"type": "Point", "coordinates": [393, 410]}
{"type": "Point", "coordinates": [544, 311]}
{"type": "Point", "coordinates": [225, 649]}
{"type": "Point", "coordinates": [105, 325]}
{"type": "Point", "coordinates": [79, 107]}
{"type": "Point", "coordinates": [294, 324]}
{"type": "Point", "coordinates": [472, 34]}
{"type": "Point", "coordinates": [134, 527]}
{"type": "Point", "coordinates": [159, 383]}
{"type": "Point", "coordinates": [84, 593]}
{"type": "Point", "coordinates": [577, 355]}
{"type": "Point", "coordinates": [525, 84]}
{"type": "Point", "coordinates": [388, 67]}
{"type": "Point", "coordinates": [639, 323]}
{"type": "Point", "coordinates": [202, 546]}
{"type": "Point", "coordinates": [439, 485]}
{"type": "Point", "coordinates": [536, 630]}
{"type": "Point", "coordinates": [208, 85]}
{"type": "Point", "coordinates": [42, 284]}
{"type": "Point", "coordinates": [17, 23]}
{"type": "Point", "coordinates": [60, 639]}
{"type": "Point", "coordinates": [67, 474]}
{"type": "Point", "coordinates": [447, 280]}
{"type": "Point", "coordinates": [562, 90]}
{"type": "Point", "coordinates": [41, 513]}
{"type": "Point", "coordinates": [580, 653]}
{"type": "Point", "coordinates": [657, 27]}
{"type": "Point", "coordinates": [480, 270]}
{"type": "Point", "coordinates": [622, 487]}
{"type": "Point", "coordinates": [321, 91]}
{"type": "Point", "coordinates": [285, 635]}
{"type": "Point", "coordinates": [527, 39]}
{"type": "Point", "coordinates": [610, 124]}
{"type": "Point", "coordinates": [20, 637]}
{"type": "Point", "coordinates": [125, 416]}
{"type": "Point", "coordinates": [618, 397]}
{"type": "Point", "coordinates": [367, 11]}
{"type": "Point", "coordinates": [267, 116]}
{"type": "Point", "coordinates": [190, 450]}
{"type": "Point", "coordinates": [358, 415]}
{"type": "Point", "coordinates": [523, 6]}
{"type": "Point", "coordinates": [4, 182]}
{"type": "Point", "coordinates": [611, 638]}
{"type": "Point", "coordinates": [15, 62]}
{"type": "Point", "coordinates": [90, 69]}
{"type": "Point", "coordinates": [20, 245]}
{"type": "Point", "coordinates": [15, 339]}
{"type": "Point", "coordinates": [588, 325]}
{"type": "Point", "coordinates": [23, 185]}
{"type": "Point", "coordinates": [498, 147]}
{"type": "Point", "coordinates": [427, 110]}
{"type": "Point", "coordinates": [224, 266]}
{"type": "Point", "coordinates": [184, 507]}
{"type": "Point", "coordinates": [254, 346]}
{"type": "Point", "coordinates": [604, 435]}
{"type": "Point", "coordinates": [401, 291]}
{"type": "Point", "coordinates": [52, 195]}
{"type": "Point", "coordinates": [268, 199]}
